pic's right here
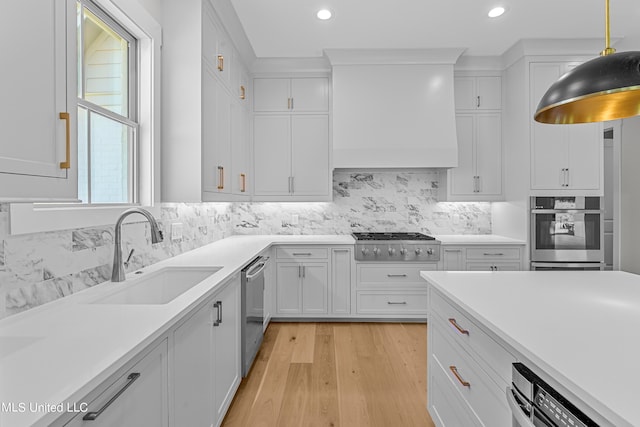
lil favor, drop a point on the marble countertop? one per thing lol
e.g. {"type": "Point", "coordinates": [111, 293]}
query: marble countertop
{"type": "Point", "coordinates": [60, 351]}
{"type": "Point", "coordinates": [578, 327]}
{"type": "Point", "coordinates": [477, 239]}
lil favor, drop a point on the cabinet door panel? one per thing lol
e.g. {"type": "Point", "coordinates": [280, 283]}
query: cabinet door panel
{"type": "Point", "coordinates": [315, 282]}
{"type": "Point", "coordinates": [465, 93]}
{"type": "Point", "coordinates": [341, 272]}
{"type": "Point", "coordinates": [239, 150]}
{"type": "Point", "coordinates": [461, 178]}
{"type": "Point", "coordinates": [270, 95]}
{"type": "Point", "coordinates": [489, 91]}
{"type": "Point", "coordinates": [310, 95]}
{"type": "Point", "coordinates": [585, 156]}
{"type": "Point", "coordinates": [227, 349]}
{"type": "Point", "coordinates": [488, 153]}
{"type": "Point", "coordinates": [310, 165]}
{"type": "Point", "coordinates": [193, 370]}
{"type": "Point", "coordinates": [272, 153]}
{"type": "Point", "coordinates": [453, 259]}
{"type": "Point", "coordinates": [143, 403]}
{"type": "Point", "coordinates": [288, 292]}
{"type": "Point", "coordinates": [223, 140]}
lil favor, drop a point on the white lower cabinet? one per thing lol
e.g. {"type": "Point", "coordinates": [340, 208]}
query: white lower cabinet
{"type": "Point", "coordinates": [342, 272]}
{"type": "Point", "coordinates": [302, 287]}
{"type": "Point", "coordinates": [137, 396]}
{"type": "Point", "coordinates": [482, 258]}
{"type": "Point", "coordinates": [206, 369]}
{"type": "Point", "coordinates": [468, 371]}
{"type": "Point", "coordinates": [389, 290]}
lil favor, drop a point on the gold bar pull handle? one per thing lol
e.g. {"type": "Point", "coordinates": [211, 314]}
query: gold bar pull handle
{"type": "Point", "coordinates": [220, 63]}
{"type": "Point", "coordinates": [243, 179]}
{"type": "Point", "coordinates": [220, 177]}
{"type": "Point", "coordinates": [67, 163]}
{"type": "Point", "coordinates": [454, 369]}
{"type": "Point", "coordinates": [242, 92]}
{"type": "Point", "coordinates": [455, 325]}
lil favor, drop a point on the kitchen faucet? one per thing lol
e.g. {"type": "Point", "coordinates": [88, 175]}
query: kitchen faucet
{"type": "Point", "coordinates": [118, 273]}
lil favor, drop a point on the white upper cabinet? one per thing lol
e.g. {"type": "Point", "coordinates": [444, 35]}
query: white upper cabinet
{"type": "Point", "coordinates": [563, 158]}
{"type": "Point", "coordinates": [38, 155]}
{"type": "Point", "coordinates": [478, 93]}
{"type": "Point", "coordinates": [204, 108]}
{"type": "Point", "coordinates": [297, 95]}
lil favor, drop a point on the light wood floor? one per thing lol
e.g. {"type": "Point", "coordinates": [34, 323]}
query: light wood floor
{"type": "Point", "coordinates": [336, 374]}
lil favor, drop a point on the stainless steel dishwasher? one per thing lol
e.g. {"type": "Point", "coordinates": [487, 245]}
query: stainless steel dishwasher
{"type": "Point", "coordinates": [252, 310]}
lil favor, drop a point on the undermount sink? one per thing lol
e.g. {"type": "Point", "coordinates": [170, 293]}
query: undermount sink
{"type": "Point", "coordinates": [159, 287]}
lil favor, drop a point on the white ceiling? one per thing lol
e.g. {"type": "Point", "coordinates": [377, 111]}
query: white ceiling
{"type": "Point", "coordinates": [289, 28]}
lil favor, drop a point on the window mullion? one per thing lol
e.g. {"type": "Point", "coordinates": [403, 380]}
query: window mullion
{"type": "Point", "coordinates": [89, 162]}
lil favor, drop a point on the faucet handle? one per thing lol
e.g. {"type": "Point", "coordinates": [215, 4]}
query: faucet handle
{"type": "Point", "coordinates": [126, 263]}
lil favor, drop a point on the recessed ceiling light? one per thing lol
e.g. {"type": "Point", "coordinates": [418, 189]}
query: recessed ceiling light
{"type": "Point", "coordinates": [324, 14]}
{"type": "Point", "coordinates": [496, 11]}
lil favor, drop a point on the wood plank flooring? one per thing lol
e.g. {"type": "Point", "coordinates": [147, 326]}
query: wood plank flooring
{"type": "Point", "coordinates": [336, 374]}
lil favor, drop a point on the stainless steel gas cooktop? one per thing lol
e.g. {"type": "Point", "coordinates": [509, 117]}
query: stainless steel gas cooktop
{"type": "Point", "coordinates": [396, 247]}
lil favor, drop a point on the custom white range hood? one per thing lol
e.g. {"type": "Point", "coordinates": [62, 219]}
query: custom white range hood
{"type": "Point", "coordinates": [394, 108]}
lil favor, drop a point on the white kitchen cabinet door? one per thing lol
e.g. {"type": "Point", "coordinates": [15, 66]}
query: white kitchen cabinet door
{"type": "Point", "coordinates": [310, 95]}
{"type": "Point", "coordinates": [39, 79]}
{"type": "Point", "coordinates": [315, 281]}
{"type": "Point", "coordinates": [270, 95]}
{"type": "Point", "coordinates": [291, 95]}
{"type": "Point", "coordinates": [341, 277]}
{"type": "Point", "coordinates": [288, 288]}
{"type": "Point", "coordinates": [226, 346]}
{"type": "Point", "coordinates": [193, 370]}
{"type": "Point", "coordinates": [144, 397]}
{"type": "Point", "coordinates": [479, 172]}
{"type": "Point", "coordinates": [272, 155]}
{"type": "Point", "coordinates": [562, 157]}
{"type": "Point", "coordinates": [478, 93]}
{"type": "Point", "coordinates": [310, 155]}
{"type": "Point", "coordinates": [453, 258]}
{"type": "Point", "coordinates": [488, 154]}
{"type": "Point", "coordinates": [239, 150]}
{"type": "Point", "coordinates": [462, 178]}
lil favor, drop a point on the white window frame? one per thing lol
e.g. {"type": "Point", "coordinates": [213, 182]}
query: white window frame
{"type": "Point", "coordinates": [39, 217]}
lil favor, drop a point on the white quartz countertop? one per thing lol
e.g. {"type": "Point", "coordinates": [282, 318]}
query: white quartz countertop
{"type": "Point", "coordinates": [477, 239]}
{"type": "Point", "coordinates": [60, 351]}
{"type": "Point", "coordinates": [578, 327]}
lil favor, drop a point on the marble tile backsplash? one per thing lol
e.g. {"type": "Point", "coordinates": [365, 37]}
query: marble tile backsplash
{"type": "Point", "coordinates": [41, 267]}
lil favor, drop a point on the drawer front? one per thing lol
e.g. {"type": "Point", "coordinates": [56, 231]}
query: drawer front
{"type": "Point", "coordinates": [392, 302]}
{"type": "Point", "coordinates": [302, 253]}
{"type": "Point", "coordinates": [494, 266]}
{"type": "Point", "coordinates": [470, 380]}
{"type": "Point", "coordinates": [446, 407]}
{"type": "Point", "coordinates": [493, 253]}
{"type": "Point", "coordinates": [459, 328]}
{"type": "Point", "coordinates": [381, 275]}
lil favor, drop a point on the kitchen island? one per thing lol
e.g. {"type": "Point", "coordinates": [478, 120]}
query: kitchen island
{"type": "Point", "coordinates": [576, 330]}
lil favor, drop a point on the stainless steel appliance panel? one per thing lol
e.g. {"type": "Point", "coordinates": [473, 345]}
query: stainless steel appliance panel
{"type": "Point", "coordinates": [567, 229]}
{"type": "Point", "coordinates": [252, 310]}
{"type": "Point", "coordinates": [567, 266]}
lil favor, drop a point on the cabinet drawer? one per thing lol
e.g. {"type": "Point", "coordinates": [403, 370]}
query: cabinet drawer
{"type": "Point", "coordinates": [470, 380]}
{"type": "Point", "coordinates": [494, 266]}
{"type": "Point", "coordinates": [302, 253]}
{"type": "Point", "coordinates": [392, 302]}
{"type": "Point", "coordinates": [492, 356]}
{"type": "Point", "coordinates": [375, 276]}
{"type": "Point", "coordinates": [446, 406]}
{"type": "Point", "coordinates": [496, 253]}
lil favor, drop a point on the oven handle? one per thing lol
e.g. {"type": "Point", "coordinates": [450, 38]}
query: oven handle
{"type": "Point", "coordinates": [519, 416]}
{"type": "Point", "coordinates": [571, 211]}
{"type": "Point", "coordinates": [260, 266]}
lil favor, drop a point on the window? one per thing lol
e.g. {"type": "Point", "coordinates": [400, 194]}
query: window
{"type": "Point", "coordinates": [107, 109]}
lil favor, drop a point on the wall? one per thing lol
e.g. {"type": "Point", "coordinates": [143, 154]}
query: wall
{"type": "Point", "coordinates": [630, 196]}
{"type": "Point", "coordinates": [41, 267]}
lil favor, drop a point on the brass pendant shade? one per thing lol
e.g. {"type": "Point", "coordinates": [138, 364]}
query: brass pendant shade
{"type": "Point", "coordinates": [602, 89]}
{"type": "Point", "coordinates": [605, 88]}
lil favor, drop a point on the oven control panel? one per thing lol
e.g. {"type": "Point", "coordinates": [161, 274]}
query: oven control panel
{"type": "Point", "coordinates": [399, 252]}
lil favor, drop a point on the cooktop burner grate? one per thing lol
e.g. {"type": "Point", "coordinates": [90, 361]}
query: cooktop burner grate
{"type": "Point", "coordinates": [363, 236]}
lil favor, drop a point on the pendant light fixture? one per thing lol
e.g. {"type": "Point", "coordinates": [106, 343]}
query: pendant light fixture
{"type": "Point", "coordinates": [602, 89]}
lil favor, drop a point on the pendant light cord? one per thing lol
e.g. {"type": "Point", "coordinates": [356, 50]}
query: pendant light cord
{"type": "Point", "coordinates": [608, 50]}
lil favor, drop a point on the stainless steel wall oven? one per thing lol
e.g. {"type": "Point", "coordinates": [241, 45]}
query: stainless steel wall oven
{"type": "Point", "coordinates": [567, 233]}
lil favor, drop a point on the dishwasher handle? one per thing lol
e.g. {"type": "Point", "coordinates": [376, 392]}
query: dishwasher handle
{"type": "Point", "coordinates": [519, 416]}
{"type": "Point", "coordinates": [257, 269]}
